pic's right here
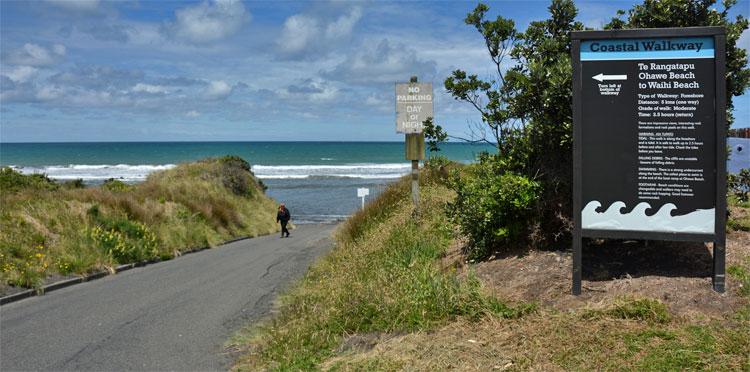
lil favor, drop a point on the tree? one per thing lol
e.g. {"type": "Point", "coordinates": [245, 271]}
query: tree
{"type": "Point", "coordinates": [527, 107]}
{"type": "Point", "coordinates": [434, 134]}
{"type": "Point", "coordinates": [690, 13]}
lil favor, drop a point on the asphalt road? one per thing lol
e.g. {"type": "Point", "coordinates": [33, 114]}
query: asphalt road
{"type": "Point", "coordinates": [174, 315]}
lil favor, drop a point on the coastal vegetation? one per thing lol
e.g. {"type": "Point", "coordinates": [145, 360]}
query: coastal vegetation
{"type": "Point", "coordinates": [480, 279]}
{"type": "Point", "coordinates": [60, 229]}
{"type": "Point", "coordinates": [383, 276]}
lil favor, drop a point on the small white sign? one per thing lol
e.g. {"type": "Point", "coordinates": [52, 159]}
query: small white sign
{"type": "Point", "coordinates": [413, 106]}
{"type": "Point", "coordinates": [362, 192]}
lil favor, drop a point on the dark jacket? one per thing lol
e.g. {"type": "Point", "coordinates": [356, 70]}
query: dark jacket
{"type": "Point", "coordinates": [283, 216]}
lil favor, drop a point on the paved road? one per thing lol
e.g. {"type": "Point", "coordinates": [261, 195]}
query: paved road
{"type": "Point", "coordinates": [174, 315]}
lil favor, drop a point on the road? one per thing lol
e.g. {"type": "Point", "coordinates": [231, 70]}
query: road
{"type": "Point", "coordinates": [174, 315]}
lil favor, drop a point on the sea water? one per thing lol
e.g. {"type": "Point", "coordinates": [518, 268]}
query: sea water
{"type": "Point", "coordinates": [318, 181]}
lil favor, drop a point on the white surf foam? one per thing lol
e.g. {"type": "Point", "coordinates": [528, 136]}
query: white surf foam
{"type": "Point", "coordinates": [94, 173]}
{"type": "Point", "coordinates": [364, 171]}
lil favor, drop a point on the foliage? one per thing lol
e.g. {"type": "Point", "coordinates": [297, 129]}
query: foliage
{"type": "Point", "coordinates": [434, 134]}
{"type": "Point", "coordinates": [690, 13]}
{"type": "Point", "coordinates": [528, 107]}
{"type": "Point", "coordinates": [492, 207]}
{"type": "Point", "coordinates": [79, 230]}
{"type": "Point", "coordinates": [12, 181]}
{"type": "Point", "coordinates": [739, 185]}
{"type": "Point", "coordinates": [391, 284]}
{"type": "Point", "coordinates": [116, 185]}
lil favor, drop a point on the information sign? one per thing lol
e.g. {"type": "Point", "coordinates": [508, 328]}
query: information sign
{"type": "Point", "coordinates": [649, 124]}
{"type": "Point", "coordinates": [413, 106]}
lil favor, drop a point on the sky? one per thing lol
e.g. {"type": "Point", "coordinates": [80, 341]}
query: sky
{"type": "Point", "coordinates": [93, 70]}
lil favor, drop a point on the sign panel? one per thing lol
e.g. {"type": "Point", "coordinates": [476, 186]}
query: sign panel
{"type": "Point", "coordinates": [649, 143]}
{"type": "Point", "coordinates": [362, 192]}
{"type": "Point", "coordinates": [648, 134]}
{"type": "Point", "coordinates": [413, 106]}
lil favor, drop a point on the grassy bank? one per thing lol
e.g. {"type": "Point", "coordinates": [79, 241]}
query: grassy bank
{"type": "Point", "coordinates": [382, 277]}
{"type": "Point", "coordinates": [49, 229]}
{"type": "Point", "coordinates": [396, 294]}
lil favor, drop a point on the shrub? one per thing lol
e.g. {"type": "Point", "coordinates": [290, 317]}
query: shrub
{"type": "Point", "coordinates": [116, 185]}
{"type": "Point", "coordinates": [739, 185]}
{"type": "Point", "coordinates": [12, 180]}
{"type": "Point", "coordinates": [492, 208]}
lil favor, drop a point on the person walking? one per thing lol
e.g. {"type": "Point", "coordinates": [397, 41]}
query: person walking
{"type": "Point", "coordinates": [283, 217]}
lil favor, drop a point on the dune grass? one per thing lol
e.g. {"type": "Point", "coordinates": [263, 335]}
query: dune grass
{"type": "Point", "coordinates": [382, 276]}
{"type": "Point", "coordinates": [48, 228]}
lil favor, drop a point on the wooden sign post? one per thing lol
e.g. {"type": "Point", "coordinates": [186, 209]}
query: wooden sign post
{"type": "Point", "coordinates": [413, 107]}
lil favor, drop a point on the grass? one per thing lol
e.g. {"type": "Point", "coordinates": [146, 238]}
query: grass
{"type": "Point", "coordinates": [739, 217]}
{"type": "Point", "coordinates": [60, 229]}
{"type": "Point", "coordinates": [381, 284]}
{"type": "Point", "coordinates": [381, 277]}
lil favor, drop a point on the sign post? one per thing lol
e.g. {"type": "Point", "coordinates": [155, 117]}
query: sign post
{"type": "Point", "coordinates": [649, 148]}
{"type": "Point", "coordinates": [362, 192]}
{"type": "Point", "coordinates": [413, 107]}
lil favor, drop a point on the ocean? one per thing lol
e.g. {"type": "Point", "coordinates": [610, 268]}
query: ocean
{"type": "Point", "coordinates": [318, 181]}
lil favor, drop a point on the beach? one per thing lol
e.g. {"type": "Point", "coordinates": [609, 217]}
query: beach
{"type": "Point", "coordinates": [317, 180]}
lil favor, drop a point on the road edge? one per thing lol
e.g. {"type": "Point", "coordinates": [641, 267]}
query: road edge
{"type": "Point", "coordinates": [100, 274]}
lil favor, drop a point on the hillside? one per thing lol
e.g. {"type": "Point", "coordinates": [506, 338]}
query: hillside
{"type": "Point", "coordinates": [398, 293]}
{"type": "Point", "coordinates": [50, 230]}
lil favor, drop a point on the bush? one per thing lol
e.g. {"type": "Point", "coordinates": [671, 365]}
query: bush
{"type": "Point", "coordinates": [739, 185]}
{"type": "Point", "coordinates": [12, 180]}
{"type": "Point", "coordinates": [492, 208]}
{"type": "Point", "coordinates": [115, 185]}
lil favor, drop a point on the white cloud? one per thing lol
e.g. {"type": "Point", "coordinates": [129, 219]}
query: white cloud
{"type": "Point", "coordinates": [192, 114]}
{"type": "Point", "coordinates": [76, 5]}
{"type": "Point", "coordinates": [218, 90]}
{"type": "Point", "coordinates": [314, 90]}
{"type": "Point", "coordinates": [299, 31]}
{"type": "Point", "coordinates": [343, 26]}
{"type": "Point", "coordinates": [306, 36]}
{"type": "Point", "coordinates": [149, 88]}
{"type": "Point", "coordinates": [36, 55]}
{"type": "Point", "coordinates": [209, 22]}
{"type": "Point", "coordinates": [21, 74]}
{"type": "Point", "coordinates": [382, 63]}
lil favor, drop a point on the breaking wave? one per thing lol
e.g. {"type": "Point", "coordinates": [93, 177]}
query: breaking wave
{"type": "Point", "coordinates": [96, 173]}
{"type": "Point", "coordinates": [364, 171]}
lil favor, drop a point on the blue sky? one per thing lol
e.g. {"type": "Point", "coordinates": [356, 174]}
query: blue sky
{"type": "Point", "coordinates": [91, 70]}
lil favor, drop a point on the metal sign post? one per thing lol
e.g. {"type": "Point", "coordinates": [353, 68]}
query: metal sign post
{"type": "Point", "coordinates": [413, 107]}
{"type": "Point", "coordinates": [649, 144]}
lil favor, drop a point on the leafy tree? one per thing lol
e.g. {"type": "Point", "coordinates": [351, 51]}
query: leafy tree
{"type": "Point", "coordinates": [691, 13]}
{"type": "Point", "coordinates": [527, 107]}
{"type": "Point", "coordinates": [434, 134]}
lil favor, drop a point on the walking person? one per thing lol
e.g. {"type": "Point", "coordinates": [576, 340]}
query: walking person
{"type": "Point", "coordinates": [283, 217]}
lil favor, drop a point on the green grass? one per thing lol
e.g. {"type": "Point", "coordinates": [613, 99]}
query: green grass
{"type": "Point", "coordinates": [648, 310]}
{"type": "Point", "coordinates": [47, 229]}
{"type": "Point", "coordinates": [381, 277]}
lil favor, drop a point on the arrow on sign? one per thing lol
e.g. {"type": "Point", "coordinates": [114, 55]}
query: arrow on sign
{"type": "Point", "coordinates": [602, 77]}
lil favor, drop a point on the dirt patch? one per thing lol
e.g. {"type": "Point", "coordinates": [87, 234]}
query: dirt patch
{"type": "Point", "coordinates": [676, 273]}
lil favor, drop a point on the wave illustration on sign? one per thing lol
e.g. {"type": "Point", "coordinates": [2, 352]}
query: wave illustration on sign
{"type": "Point", "coordinates": [698, 221]}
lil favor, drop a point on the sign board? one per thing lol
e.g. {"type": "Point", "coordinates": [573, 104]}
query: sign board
{"type": "Point", "coordinates": [413, 106]}
{"type": "Point", "coordinates": [649, 134]}
{"type": "Point", "coordinates": [362, 192]}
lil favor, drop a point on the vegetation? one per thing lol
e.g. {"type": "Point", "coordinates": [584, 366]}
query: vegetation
{"type": "Point", "coordinates": [526, 108]}
{"type": "Point", "coordinates": [491, 207]}
{"type": "Point", "coordinates": [392, 283]}
{"type": "Point", "coordinates": [46, 229]}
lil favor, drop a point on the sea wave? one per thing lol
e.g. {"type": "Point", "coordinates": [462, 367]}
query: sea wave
{"type": "Point", "coordinates": [364, 171]}
{"type": "Point", "coordinates": [93, 173]}
{"type": "Point", "coordinates": [96, 173]}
